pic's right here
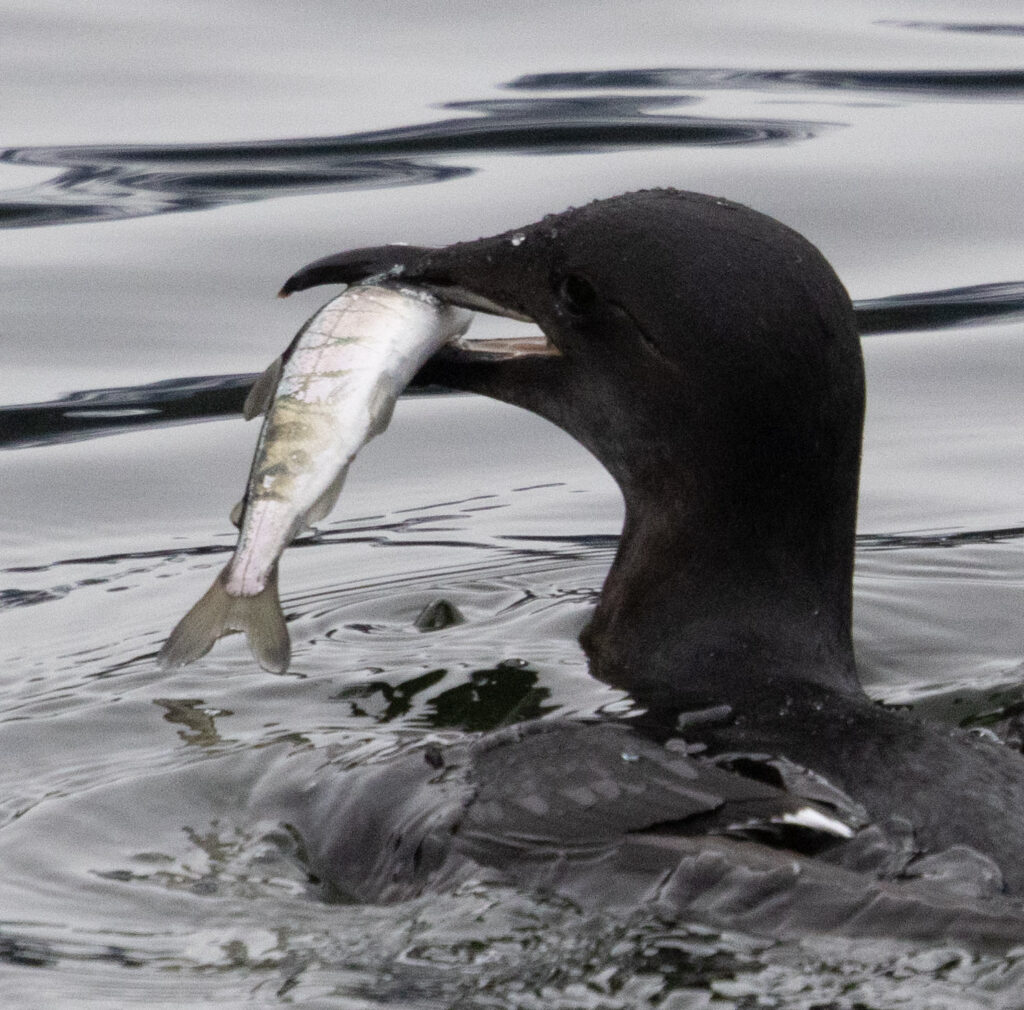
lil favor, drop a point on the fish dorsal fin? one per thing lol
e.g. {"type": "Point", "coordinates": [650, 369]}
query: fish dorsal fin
{"type": "Point", "coordinates": [261, 395]}
{"type": "Point", "coordinates": [237, 514]}
{"type": "Point", "coordinates": [321, 508]}
{"type": "Point", "coordinates": [382, 405]}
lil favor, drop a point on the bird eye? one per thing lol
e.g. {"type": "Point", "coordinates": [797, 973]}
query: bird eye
{"type": "Point", "coordinates": [577, 294]}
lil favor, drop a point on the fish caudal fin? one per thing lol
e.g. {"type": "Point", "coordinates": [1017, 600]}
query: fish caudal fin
{"type": "Point", "coordinates": [217, 613]}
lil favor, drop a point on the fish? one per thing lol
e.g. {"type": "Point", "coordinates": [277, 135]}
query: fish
{"type": "Point", "coordinates": [332, 390]}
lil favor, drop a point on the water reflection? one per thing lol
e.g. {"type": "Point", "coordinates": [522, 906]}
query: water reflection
{"type": "Point", "coordinates": [488, 698]}
{"type": "Point", "coordinates": [941, 538]}
{"type": "Point", "coordinates": [934, 310]}
{"type": "Point", "coordinates": [113, 182]}
{"type": "Point", "coordinates": [969, 27]}
{"type": "Point", "coordinates": [27, 952]}
{"type": "Point", "coordinates": [92, 412]}
{"type": "Point", "coordinates": [196, 914]}
{"type": "Point", "coordinates": [901, 84]}
{"type": "Point", "coordinates": [88, 413]}
{"type": "Point", "coordinates": [196, 716]}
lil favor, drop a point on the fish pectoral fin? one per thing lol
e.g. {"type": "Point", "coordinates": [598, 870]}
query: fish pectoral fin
{"type": "Point", "coordinates": [261, 395]}
{"type": "Point", "coordinates": [381, 406]}
{"type": "Point", "coordinates": [218, 612]}
{"type": "Point", "coordinates": [238, 514]}
{"type": "Point", "coordinates": [321, 508]}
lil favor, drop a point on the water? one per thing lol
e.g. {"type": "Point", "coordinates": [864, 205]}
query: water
{"type": "Point", "coordinates": [166, 168]}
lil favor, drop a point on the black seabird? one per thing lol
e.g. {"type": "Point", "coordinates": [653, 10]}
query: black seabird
{"type": "Point", "coordinates": [707, 356]}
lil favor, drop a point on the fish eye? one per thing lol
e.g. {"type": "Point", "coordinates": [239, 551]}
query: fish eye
{"type": "Point", "coordinates": [577, 294]}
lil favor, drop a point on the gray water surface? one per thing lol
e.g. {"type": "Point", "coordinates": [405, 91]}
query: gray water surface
{"type": "Point", "coordinates": [165, 168]}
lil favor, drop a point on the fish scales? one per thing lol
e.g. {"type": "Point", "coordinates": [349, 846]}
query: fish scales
{"type": "Point", "coordinates": [330, 393]}
{"type": "Point", "coordinates": [351, 362]}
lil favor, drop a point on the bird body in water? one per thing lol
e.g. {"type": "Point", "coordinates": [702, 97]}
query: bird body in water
{"type": "Point", "coordinates": [707, 356]}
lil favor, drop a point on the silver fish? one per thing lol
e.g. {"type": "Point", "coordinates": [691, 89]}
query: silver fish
{"type": "Point", "coordinates": [325, 397]}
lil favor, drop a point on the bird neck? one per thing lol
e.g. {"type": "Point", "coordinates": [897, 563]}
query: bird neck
{"type": "Point", "coordinates": [719, 589]}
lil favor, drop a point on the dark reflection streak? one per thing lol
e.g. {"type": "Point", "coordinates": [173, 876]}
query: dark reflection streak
{"type": "Point", "coordinates": [383, 535]}
{"type": "Point", "coordinates": [506, 124]}
{"type": "Point", "coordinates": [588, 548]}
{"type": "Point", "coordinates": [933, 310]}
{"type": "Point", "coordinates": [586, 544]}
{"type": "Point", "coordinates": [913, 541]}
{"type": "Point", "coordinates": [96, 412]}
{"type": "Point", "coordinates": [107, 197]}
{"type": "Point", "coordinates": [30, 951]}
{"type": "Point", "coordinates": [865, 541]}
{"type": "Point", "coordinates": [956, 26]}
{"type": "Point", "coordinates": [113, 182]}
{"type": "Point", "coordinates": [940, 84]}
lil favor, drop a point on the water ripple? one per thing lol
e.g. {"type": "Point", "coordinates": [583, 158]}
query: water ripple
{"type": "Point", "coordinates": [93, 412]}
{"type": "Point", "coordinates": [110, 182]}
{"type": "Point", "coordinates": [899, 84]}
{"type": "Point", "coordinates": [916, 539]}
{"type": "Point", "coordinates": [934, 310]}
{"type": "Point", "coordinates": [109, 411]}
{"type": "Point", "coordinates": [968, 27]}
{"type": "Point", "coordinates": [113, 182]}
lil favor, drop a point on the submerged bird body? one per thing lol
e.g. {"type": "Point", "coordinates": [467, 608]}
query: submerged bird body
{"type": "Point", "coordinates": [707, 356]}
{"type": "Point", "coordinates": [332, 390]}
{"type": "Point", "coordinates": [604, 816]}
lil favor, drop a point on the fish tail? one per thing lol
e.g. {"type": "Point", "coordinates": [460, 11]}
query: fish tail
{"type": "Point", "coordinates": [217, 613]}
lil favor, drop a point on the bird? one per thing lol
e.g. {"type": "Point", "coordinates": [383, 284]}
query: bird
{"type": "Point", "coordinates": [707, 355]}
